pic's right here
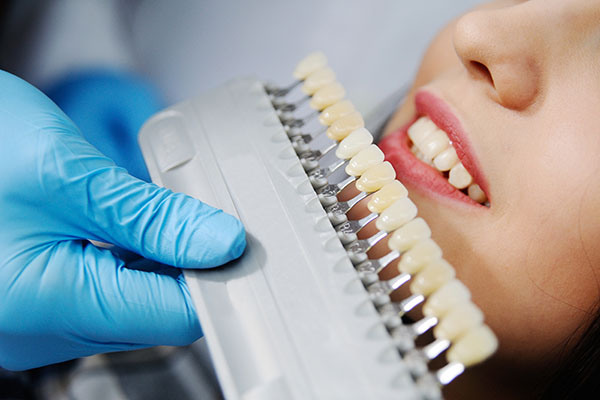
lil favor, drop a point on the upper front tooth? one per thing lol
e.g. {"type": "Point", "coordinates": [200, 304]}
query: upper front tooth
{"type": "Point", "coordinates": [446, 159]}
{"type": "Point", "coordinates": [353, 143]}
{"type": "Point", "coordinates": [364, 160]}
{"type": "Point", "coordinates": [335, 111]}
{"type": "Point", "coordinates": [376, 177]}
{"type": "Point", "coordinates": [317, 80]}
{"type": "Point", "coordinates": [447, 297]}
{"type": "Point", "coordinates": [473, 347]}
{"type": "Point", "coordinates": [433, 144]}
{"type": "Point", "coordinates": [459, 177]}
{"type": "Point", "coordinates": [310, 64]}
{"type": "Point", "coordinates": [406, 236]}
{"type": "Point", "coordinates": [458, 321]}
{"type": "Point", "coordinates": [396, 215]}
{"type": "Point", "coordinates": [432, 277]}
{"type": "Point", "coordinates": [342, 127]}
{"type": "Point", "coordinates": [385, 196]}
{"type": "Point", "coordinates": [423, 252]}
{"type": "Point", "coordinates": [476, 193]}
{"type": "Point", "coordinates": [421, 128]}
{"type": "Point", "coordinates": [327, 95]}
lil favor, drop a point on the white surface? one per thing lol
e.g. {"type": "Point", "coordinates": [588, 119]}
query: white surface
{"type": "Point", "coordinates": [189, 46]}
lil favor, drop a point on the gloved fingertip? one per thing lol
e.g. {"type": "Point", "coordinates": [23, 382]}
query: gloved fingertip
{"type": "Point", "coordinates": [215, 238]}
{"type": "Point", "coordinates": [239, 240]}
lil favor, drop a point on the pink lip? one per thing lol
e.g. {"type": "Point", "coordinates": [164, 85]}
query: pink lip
{"type": "Point", "coordinates": [421, 176]}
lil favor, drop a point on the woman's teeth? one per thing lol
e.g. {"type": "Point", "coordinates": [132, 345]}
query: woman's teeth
{"type": "Point", "coordinates": [431, 145]}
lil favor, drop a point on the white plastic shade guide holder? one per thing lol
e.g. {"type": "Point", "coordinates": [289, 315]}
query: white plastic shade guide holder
{"type": "Point", "coordinates": [171, 146]}
{"type": "Point", "coordinates": [290, 319]}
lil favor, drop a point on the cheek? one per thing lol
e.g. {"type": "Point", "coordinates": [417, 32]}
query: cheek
{"type": "Point", "coordinates": [530, 275]}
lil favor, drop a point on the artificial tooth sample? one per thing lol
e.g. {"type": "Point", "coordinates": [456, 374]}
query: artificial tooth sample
{"type": "Point", "coordinates": [327, 95]}
{"type": "Point", "coordinates": [423, 252]}
{"type": "Point", "coordinates": [446, 160]}
{"type": "Point", "coordinates": [406, 236]}
{"type": "Point", "coordinates": [420, 129]}
{"type": "Point", "coordinates": [446, 298]}
{"type": "Point", "coordinates": [396, 215]}
{"type": "Point", "coordinates": [376, 177]}
{"type": "Point", "coordinates": [310, 64]}
{"type": "Point", "coordinates": [335, 111]}
{"type": "Point", "coordinates": [342, 127]}
{"type": "Point", "coordinates": [476, 193]}
{"type": "Point", "coordinates": [433, 144]}
{"type": "Point", "coordinates": [385, 196]}
{"type": "Point", "coordinates": [459, 177]}
{"type": "Point", "coordinates": [317, 80]}
{"type": "Point", "coordinates": [364, 160]}
{"type": "Point", "coordinates": [432, 277]}
{"type": "Point", "coordinates": [356, 141]}
{"type": "Point", "coordinates": [473, 347]}
{"type": "Point", "coordinates": [458, 321]}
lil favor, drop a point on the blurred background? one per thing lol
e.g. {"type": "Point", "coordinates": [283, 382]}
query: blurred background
{"type": "Point", "coordinates": [188, 46]}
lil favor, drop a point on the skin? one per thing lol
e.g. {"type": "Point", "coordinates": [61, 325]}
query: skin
{"type": "Point", "coordinates": [524, 80]}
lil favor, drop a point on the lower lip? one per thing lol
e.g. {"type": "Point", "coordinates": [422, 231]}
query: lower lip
{"type": "Point", "coordinates": [415, 173]}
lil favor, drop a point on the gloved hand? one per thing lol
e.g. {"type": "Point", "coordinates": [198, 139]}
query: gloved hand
{"type": "Point", "coordinates": [61, 297]}
{"type": "Point", "coordinates": [109, 106]}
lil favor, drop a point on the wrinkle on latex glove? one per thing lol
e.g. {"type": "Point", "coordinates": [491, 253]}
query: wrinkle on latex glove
{"type": "Point", "coordinates": [62, 297]}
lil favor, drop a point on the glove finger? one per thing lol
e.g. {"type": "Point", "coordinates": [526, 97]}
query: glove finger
{"type": "Point", "coordinates": [167, 227]}
{"type": "Point", "coordinates": [61, 187]}
{"type": "Point", "coordinates": [92, 304]}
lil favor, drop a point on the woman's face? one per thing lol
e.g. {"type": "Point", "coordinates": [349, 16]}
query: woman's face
{"type": "Point", "coordinates": [521, 82]}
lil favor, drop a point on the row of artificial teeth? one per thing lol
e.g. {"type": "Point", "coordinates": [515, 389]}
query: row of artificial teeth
{"type": "Point", "coordinates": [458, 322]}
{"type": "Point", "coordinates": [432, 146]}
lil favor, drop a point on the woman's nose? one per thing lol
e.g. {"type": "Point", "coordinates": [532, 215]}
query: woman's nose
{"type": "Point", "coordinates": [501, 49]}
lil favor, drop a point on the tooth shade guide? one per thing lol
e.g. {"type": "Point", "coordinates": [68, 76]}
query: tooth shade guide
{"type": "Point", "coordinates": [310, 231]}
{"type": "Point", "coordinates": [435, 149]}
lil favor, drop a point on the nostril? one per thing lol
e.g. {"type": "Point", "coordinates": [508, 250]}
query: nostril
{"type": "Point", "coordinates": [481, 71]}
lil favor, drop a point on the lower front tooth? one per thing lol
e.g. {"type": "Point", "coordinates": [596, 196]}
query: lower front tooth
{"type": "Point", "coordinates": [364, 160]}
{"type": "Point", "coordinates": [458, 321]}
{"type": "Point", "coordinates": [432, 277]}
{"type": "Point", "coordinates": [385, 196]}
{"type": "Point", "coordinates": [406, 236]}
{"type": "Point", "coordinates": [476, 193]}
{"type": "Point", "coordinates": [376, 177]}
{"type": "Point", "coordinates": [396, 215]}
{"type": "Point", "coordinates": [459, 177]}
{"type": "Point", "coordinates": [446, 160]}
{"type": "Point", "coordinates": [342, 127]}
{"type": "Point", "coordinates": [353, 143]}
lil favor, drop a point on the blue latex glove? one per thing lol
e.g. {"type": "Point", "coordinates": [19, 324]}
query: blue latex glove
{"type": "Point", "coordinates": [60, 296]}
{"type": "Point", "coordinates": [109, 107]}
